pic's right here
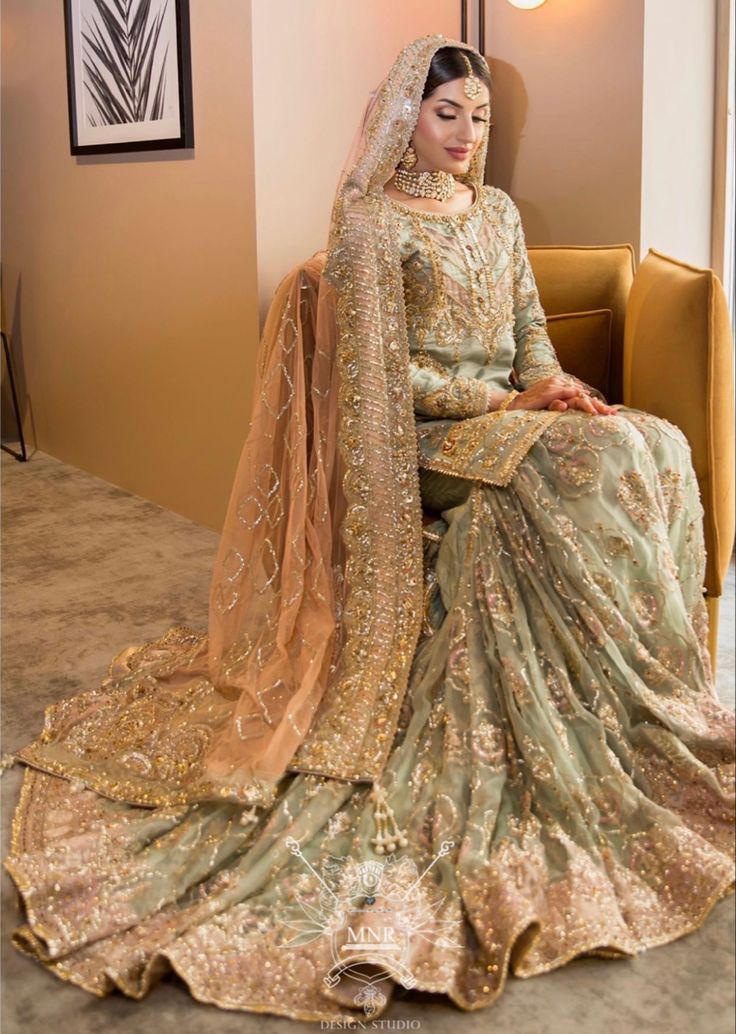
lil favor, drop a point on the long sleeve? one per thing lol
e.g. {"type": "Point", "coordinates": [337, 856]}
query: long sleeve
{"type": "Point", "coordinates": [441, 395]}
{"type": "Point", "coordinates": [535, 356]}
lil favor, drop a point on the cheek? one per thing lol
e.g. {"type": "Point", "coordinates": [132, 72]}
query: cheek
{"type": "Point", "coordinates": [431, 131]}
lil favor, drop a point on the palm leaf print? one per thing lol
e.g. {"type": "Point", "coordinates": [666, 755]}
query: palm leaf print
{"type": "Point", "coordinates": [124, 68]}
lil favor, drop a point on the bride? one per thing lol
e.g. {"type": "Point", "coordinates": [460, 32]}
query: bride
{"type": "Point", "coordinates": [453, 717]}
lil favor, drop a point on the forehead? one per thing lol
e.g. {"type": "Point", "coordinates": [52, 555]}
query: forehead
{"type": "Point", "coordinates": [454, 89]}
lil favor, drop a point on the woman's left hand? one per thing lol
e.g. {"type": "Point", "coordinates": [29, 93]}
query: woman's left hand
{"type": "Point", "coordinates": [585, 402]}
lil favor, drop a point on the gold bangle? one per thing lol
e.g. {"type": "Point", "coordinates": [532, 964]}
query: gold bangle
{"type": "Point", "coordinates": [508, 400]}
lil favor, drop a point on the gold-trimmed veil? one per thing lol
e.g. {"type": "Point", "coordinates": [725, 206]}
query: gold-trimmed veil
{"type": "Point", "coordinates": [365, 491]}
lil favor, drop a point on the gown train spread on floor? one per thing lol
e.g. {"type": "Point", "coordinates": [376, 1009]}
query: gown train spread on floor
{"type": "Point", "coordinates": [563, 773]}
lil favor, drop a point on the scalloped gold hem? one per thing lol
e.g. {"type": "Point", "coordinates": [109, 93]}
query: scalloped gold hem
{"type": "Point", "coordinates": [33, 940]}
{"type": "Point", "coordinates": [128, 793]}
{"type": "Point", "coordinates": [520, 944]}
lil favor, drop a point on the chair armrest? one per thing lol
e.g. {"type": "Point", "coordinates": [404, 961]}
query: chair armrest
{"type": "Point", "coordinates": [678, 364]}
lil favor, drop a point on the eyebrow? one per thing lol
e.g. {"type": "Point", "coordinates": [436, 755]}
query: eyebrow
{"type": "Point", "coordinates": [456, 105]}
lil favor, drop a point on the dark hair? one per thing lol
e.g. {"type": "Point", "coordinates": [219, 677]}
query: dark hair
{"type": "Point", "coordinates": [448, 64]}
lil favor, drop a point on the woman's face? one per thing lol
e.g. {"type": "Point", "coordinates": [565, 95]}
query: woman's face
{"type": "Point", "coordinates": [450, 128]}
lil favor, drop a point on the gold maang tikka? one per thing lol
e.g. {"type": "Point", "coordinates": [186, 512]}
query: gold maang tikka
{"type": "Point", "coordinates": [472, 85]}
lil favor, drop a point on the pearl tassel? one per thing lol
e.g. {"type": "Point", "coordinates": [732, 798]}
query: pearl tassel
{"type": "Point", "coordinates": [384, 814]}
{"type": "Point", "coordinates": [246, 817]}
{"type": "Point", "coordinates": [7, 761]}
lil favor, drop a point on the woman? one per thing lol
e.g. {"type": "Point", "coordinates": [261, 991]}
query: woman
{"type": "Point", "coordinates": [404, 756]}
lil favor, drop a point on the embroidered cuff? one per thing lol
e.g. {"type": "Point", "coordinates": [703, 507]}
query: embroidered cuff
{"type": "Point", "coordinates": [460, 397]}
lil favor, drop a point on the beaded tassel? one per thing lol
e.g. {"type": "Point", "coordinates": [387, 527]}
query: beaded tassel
{"type": "Point", "coordinates": [383, 814]}
{"type": "Point", "coordinates": [7, 761]}
{"type": "Point", "coordinates": [246, 817]}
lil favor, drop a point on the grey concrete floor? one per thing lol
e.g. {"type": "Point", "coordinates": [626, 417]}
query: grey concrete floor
{"type": "Point", "coordinates": [88, 569]}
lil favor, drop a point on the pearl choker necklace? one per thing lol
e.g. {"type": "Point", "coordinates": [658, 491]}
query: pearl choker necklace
{"type": "Point", "coordinates": [439, 185]}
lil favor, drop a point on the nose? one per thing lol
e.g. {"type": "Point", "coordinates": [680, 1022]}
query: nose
{"type": "Point", "coordinates": [468, 132]}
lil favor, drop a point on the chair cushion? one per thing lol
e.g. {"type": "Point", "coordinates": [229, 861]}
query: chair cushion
{"type": "Point", "coordinates": [678, 364]}
{"type": "Point", "coordinates": [582, 341]}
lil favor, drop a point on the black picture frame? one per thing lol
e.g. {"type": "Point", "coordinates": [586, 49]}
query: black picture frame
{"type": "Point", "coordinates": [121, 79]}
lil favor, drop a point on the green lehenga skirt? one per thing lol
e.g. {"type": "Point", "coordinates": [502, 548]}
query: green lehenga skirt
{"type": "Point", "coordinates": [563, 774]}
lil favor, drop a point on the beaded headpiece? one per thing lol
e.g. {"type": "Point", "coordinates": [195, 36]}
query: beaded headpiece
{"type": "Point", "coordinates": [472, 85]}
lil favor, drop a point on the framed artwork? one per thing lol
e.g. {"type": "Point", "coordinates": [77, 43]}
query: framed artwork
{"type": "Point", "coordinates": [129, 75]}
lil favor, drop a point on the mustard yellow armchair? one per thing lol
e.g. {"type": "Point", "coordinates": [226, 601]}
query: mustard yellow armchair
{"type": "Point", "coordinates": [656, 338]}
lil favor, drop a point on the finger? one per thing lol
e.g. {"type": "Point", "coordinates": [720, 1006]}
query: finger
{"type": "Point", "coordinates": [584, 405]}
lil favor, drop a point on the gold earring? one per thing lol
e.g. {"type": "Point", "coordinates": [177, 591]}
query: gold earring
{"type": "Point", "coordinates": [409, 158]}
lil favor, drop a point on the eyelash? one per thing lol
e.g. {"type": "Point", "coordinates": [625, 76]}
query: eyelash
{"type": "Point", "coordinates": [451, 118]}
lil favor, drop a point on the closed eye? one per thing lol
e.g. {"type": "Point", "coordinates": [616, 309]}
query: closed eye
{"type": "Point", "coordinates": [451, 118]}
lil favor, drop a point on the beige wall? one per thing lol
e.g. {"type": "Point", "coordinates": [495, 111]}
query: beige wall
{"type": "Point", "coordinates": [129, 281]}
{"type": "Point", "coordinates": [313, 68]}
{"type": "Point", "coordinates": [604, 113]}
{"type": "Point", "coordinates": [677, 138]}
{"type": "Point", "coordinates": [567, 110]}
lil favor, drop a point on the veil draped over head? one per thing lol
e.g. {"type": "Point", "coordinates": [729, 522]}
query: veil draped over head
{"type": "Point", "coordinates": [316, 599]}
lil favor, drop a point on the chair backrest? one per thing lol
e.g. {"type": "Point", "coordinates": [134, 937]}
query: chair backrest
{"type": "Point", "coordinates": [678, 364]}
{"type": "Point", "coordinates": [577, 279]}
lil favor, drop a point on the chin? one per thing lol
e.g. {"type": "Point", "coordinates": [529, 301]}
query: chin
{"type": "Point", "coordinates": [453, 164]}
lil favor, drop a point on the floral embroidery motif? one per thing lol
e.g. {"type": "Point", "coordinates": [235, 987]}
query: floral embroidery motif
{"type": "Point", "coordinates": [634, 495]}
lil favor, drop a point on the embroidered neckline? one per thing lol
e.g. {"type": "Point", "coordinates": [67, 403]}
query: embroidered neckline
{"type": "Point", "coordinates": [465, 213]}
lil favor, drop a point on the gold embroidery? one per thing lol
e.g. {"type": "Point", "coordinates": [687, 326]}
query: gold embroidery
{"type": "Point", "coordinates": [672, 489]}
{"type": "Point", "coordinates": [458, 302]}
{"type": "Point", "coordinates": [470, 299]}
{"type": "Point", "coordinates": [353, 727]}
{"type": "Point", "coordinates": [442, 217]}
{"type": "Point", "coordinates": [460, 396]}
{"type": "Point", "coordinates": [634, 495]}
{"type": "Point", "coordinates": [449, 289]}
{"type": "Point", "coordinates": [486, 448]}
